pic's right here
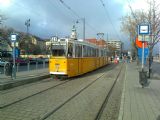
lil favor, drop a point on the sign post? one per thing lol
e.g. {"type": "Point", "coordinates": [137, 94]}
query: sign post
{"type": "Point", "coordinates": [143, 31]}
{"type": "Point", "coordinates": [13, 40]}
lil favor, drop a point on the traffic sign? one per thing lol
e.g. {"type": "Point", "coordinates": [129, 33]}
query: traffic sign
{"type": "Point", "coordinates": [146, 52]}
{"type": "Point", "coordinates": [13, 37]}
{"type": "Point", "coordinates": [146, 38]}
{"type": "Point", "coordinates": [143, 29]}
{"type": "Point", "coordinates": [16, 52]}
{"type": "Point", "coordinates": [139, 43]}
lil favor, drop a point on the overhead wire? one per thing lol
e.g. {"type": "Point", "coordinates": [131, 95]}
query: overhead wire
{"type": "Point", "coordinates": [69, 8]}
{"type": "Point", "coordinates": [132, 11]}
{"type": "Point", "coordinates": [108, 17]}
{"type": "Point", "coordinates": [25, 8]}
{"type": "Point", "coordinates": [65, 5]}
{"type": "Point", "coordinates": [75, 13]}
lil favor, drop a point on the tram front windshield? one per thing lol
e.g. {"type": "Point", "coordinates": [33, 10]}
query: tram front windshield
{"type": "Point", "coordinates": [58, 50]}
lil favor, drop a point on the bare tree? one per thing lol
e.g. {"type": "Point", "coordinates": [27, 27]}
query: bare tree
{"type": "Point", "coordinates": [2, 18]}
{"type": "Point", "coordinates": [152, 17]}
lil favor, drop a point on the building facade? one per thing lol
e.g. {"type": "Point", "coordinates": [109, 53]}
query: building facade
{"type": "Point", "coordinates": [117, 44]}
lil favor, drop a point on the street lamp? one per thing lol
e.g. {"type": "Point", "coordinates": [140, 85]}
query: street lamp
{"type": "Point", "coordinates": [27, 23]}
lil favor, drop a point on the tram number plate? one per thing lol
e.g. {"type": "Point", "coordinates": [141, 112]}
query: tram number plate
{"type": "Point", "coordinates": [57, 67]}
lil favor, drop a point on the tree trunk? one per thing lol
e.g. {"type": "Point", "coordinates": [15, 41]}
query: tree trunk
{"type": "Point", "coordinates": [150, 62]}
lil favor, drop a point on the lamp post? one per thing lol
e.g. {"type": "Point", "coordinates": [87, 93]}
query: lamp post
{"type": "Point", "coordinates": [27, 23]}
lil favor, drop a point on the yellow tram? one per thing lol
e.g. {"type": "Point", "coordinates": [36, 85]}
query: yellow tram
{"type": "Point", "coordinates": [71, 57]}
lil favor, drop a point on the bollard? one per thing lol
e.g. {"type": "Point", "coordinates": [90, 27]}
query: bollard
{"type": "Point", "coordinates": [8, 69]}
{"type": "Point", "coordinates": [13, 71]}
{"type": "Point", "coordinates": [43, 63]}
{"type": "Point", "coordinates": [36, 65]}
{"type": "Point", "coordinates": [28, 66]}
{"type": "Point", "coordinates": [17, 67]}
{"type": "Point", "coordinates": [4, 69]}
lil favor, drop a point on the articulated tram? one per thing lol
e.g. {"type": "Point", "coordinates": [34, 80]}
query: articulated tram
{"type": "Point", "coordinates": [71, 57]}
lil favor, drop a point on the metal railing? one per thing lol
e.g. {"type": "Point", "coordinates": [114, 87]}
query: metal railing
{"type": "Point", "coordinates": [28, 66]}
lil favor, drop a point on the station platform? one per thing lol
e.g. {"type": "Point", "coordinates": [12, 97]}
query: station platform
{"type": "Point", "coordinates": [139, 103]}
{"type": "Point", "coordinates": [6, 82]}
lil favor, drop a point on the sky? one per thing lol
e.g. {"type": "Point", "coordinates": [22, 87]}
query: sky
{"type": "Point", "coordinates": [56, 17]}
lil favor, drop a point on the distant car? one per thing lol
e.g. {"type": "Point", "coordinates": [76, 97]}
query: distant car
{"type": "Point", "coordinates": [3, 63]}
{"type": "Point", "coordinates": [46, 60]}
{"type": "Point", "coordinates": [20, 61]}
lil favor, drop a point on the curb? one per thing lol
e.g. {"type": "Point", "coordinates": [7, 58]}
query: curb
{"type": "Point", "coordinates": [15, 83]}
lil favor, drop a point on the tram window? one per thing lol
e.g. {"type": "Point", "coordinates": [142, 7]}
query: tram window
{"type": "Point", "coordinates": [93, 52]}
{"type": "Point", "coordinates": [70, 50]}
{"type": "Point", "coordinates": [84, 51]}
{"type": "Point", "coordinates": [101, 53]}
{"type": "Point", "coordinates": [78, 51]}
{"type": "Point", "coordinates": [96, 52]}
{"type": "Point", "coordinates": [58, 50]}
{"type": "Point", "coordinates": [88, 51]}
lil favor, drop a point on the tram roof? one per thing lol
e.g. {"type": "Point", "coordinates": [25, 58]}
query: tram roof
{"type": "Point", "coordinates": [78, 41]}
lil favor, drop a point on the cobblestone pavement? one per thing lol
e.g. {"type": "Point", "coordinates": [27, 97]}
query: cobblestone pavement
{"type": "Point", "coordinates": [112, 107]}
{"type": "Point", "coordinates": [37, 106]}
{"type": "Point", "coordinates": [139, 103]}
{"type": "Point", "coordinates": [24, 74]}
{"type": "Point", "coordinates": [86, 104]}
{"type": "Point", "coordinates": [15, 94]}
{"type": "Point", "coordinates": [155, 70]}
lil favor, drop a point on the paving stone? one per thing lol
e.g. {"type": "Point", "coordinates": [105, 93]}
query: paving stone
{"type": "Point", "coordinates": [139, 103]}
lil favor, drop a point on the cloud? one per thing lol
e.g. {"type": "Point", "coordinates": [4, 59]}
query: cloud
{"type": "Point", "coordinates": [51, 17]}
{"type": "Point", "coordinates": [5, 3]}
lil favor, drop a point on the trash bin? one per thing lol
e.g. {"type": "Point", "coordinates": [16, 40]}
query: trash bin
{"type": "Point", "coordinates": [143, 78]}
{"type": "Point", "coordinates": [8, 69]}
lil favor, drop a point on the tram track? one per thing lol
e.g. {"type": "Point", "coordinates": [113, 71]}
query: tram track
{"type": "Point", "coordinates": [24, 86]}
{"type": "Point", "coordinates": [68, 100]}
{"type": "Point", "coordinates": [19, 100]}
{"type": "Point", "coordinates": [53, 97]}
{"type": "Point", "coordinates": [40, 92]}
{"type": "Point", "coordinates": [98, 116]}
{"type": "Point", "coordinates": [101, 110]}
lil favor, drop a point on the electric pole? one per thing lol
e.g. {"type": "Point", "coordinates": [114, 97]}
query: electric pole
{"type": "Point", "coordinates": [27, 23]}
